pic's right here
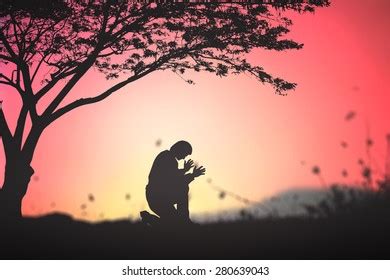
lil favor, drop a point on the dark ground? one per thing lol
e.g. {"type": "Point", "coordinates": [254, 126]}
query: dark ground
{"type": "Point", "coordinates": [59, 237]}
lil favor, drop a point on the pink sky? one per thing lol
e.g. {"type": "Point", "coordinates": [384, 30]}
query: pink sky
{"type": "Point", "coordinates": [251, 141]}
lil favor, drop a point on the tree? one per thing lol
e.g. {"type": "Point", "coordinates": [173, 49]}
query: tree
{"type": "Point", "coordinates": [48, 44]}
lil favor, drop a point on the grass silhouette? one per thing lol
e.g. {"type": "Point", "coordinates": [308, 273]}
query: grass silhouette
{"type": "Point", "coordinates": [367, 199]}
{"type": "Point", "coordinates": [58, 236]}
{"type": "Point", "coordinates": [352, 201]}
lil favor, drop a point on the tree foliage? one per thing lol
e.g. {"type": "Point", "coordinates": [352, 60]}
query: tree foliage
{"type": "Point", "coordinates": [47, 42]}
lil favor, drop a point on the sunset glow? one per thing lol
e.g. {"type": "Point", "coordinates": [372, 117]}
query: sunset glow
{"type": "Point", "coordinates": [252, 142]}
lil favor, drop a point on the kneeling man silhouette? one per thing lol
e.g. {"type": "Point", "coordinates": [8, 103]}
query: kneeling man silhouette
{"type": "Point", "coordinates": [168, 186]}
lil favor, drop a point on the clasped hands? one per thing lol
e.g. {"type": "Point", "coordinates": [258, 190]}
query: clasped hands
{"type": "Point", "coordinates": [198, 170]}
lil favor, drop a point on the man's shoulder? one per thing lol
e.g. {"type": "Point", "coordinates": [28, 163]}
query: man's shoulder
{"type": "Point", "coordinates": [165, 155]}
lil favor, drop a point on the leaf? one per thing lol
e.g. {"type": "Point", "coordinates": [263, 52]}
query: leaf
{"type": "Point", "coordinates": [350, 115]}
{"type": "Point", "coordinates": [91, 197]}
{"type": "Point", "coordinates": [316, 170]}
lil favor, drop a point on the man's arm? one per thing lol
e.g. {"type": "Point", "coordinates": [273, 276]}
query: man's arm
{"type": "Point", "coordinates": [188, 178]}
{"type": "Point", "coordinates": [198, 171]}
{"type": "Point", "coordinates": [187, 166]}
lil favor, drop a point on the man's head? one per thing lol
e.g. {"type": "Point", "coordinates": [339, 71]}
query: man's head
{"type": "Point", "coordinates": [181, 149]}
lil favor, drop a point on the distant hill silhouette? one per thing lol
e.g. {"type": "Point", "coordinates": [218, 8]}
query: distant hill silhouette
{"type": "Point", "coordinates": [285, 204]}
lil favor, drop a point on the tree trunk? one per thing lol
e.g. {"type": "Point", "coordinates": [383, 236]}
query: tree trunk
{"type": "Point", "coordinates": [16, 179]}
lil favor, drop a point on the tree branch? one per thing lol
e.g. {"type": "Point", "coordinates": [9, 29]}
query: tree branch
{"type": "Point", "coordinates": [31, 141]}
{"type": "Point", "coordinates": [5, 133]}
{"type": "Point", "coordinates": [37, 68]}
{"type": "Point", "coordinates": [52, 83]}
{"type": "Point", "coordinates": [9, 82]}
{"type": "Point", "coordinates": [18, 136]}
{"type": "Point", "coordinates": [7, 58]}
{"type": "Point", "coordinates": [80, 70]}
{"type": "Point", "coordinates": [28, 97]}
{"type": "Point", "coordinates": [85, 101]}
{"type": "Point", "coordinates": [18, 42]}
{"type": "Point", "coordinates": [7, 45]}
{"type": "Point", "coordinates": [39, 34]}
{"type": "Point", "coordinates": [79, 73]}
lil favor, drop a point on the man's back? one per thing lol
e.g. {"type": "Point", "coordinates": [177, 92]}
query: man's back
{"type": "Point", "coordinates": [164, 171]}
